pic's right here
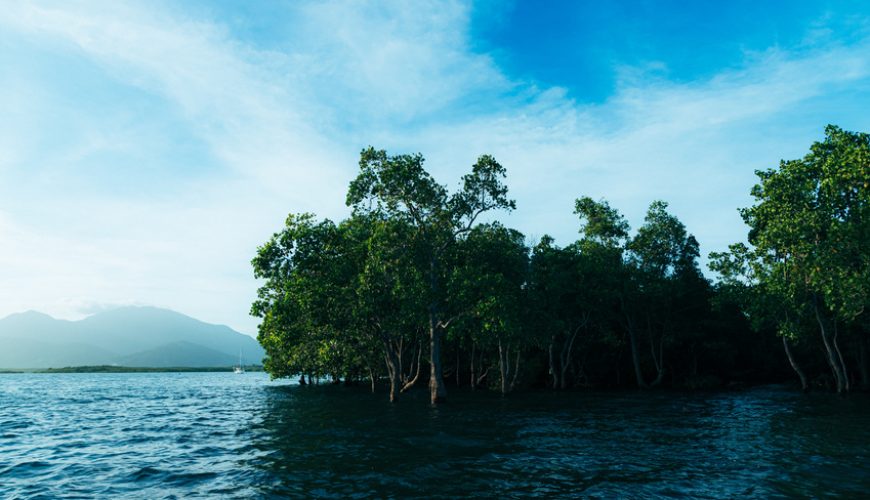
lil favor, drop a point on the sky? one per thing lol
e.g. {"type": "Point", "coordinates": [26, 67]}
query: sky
{"type": "Point", "coordinates": [147, 148]}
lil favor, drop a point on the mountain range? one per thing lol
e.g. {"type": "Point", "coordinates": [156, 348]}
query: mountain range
{"type": "Point", "coordinates": [127, 336]}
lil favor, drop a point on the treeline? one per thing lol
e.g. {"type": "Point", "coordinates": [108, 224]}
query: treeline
{"type": "Point", "coordinates": [413, 289]}
{"type": "Point", "coordinates": [140, 369]}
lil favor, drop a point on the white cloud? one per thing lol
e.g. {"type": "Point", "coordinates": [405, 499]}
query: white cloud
{"type": "Point", "coordinates": [284, 125]}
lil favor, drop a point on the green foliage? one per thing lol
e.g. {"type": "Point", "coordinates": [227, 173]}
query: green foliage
{"type": "Point", "coordinates": [809, 262]}
{"type": "Point", "coordinates": [487, 282]}
{"type": "Point", "coordinates": [600, 223]}
{"type": "Point", "coordinates": [811, 224]}
{"type": "Point", "coordinates": [412, 268]}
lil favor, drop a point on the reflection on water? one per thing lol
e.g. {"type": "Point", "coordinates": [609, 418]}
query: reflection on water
{"type": "Point", "coordinates": [214, 434]}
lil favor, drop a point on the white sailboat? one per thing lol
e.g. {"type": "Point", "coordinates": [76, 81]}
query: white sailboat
{"type": "Point", "coordinates": [239, 368]}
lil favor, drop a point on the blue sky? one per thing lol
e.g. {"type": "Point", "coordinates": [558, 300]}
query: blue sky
{"type": "Point", "coordinates": [147, 148]}
{"type": "Point", "coordinates": [581, 45]}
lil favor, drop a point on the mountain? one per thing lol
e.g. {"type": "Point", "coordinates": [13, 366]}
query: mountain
{"type": "Point", "coordinates": [179, 354]}
{"type": "Point", "coordinates": [127, 336]}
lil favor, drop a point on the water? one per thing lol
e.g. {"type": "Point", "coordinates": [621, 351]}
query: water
{"type": "Point", "coordinates": [219, 435]}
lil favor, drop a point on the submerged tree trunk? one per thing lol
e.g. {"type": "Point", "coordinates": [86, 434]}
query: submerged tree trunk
{"type": "Point", "coordinates": [516, 371]}
{"type": "Point", "coordinates": [553, 364]}
{"type": "Point", "coordinates": [632, 340]}
{"type": "Point", "coordinates": [473, 381]}
{"type": "Point", "coordinates": [843, 370]}
{"type": "Point", "coordinates": [658, 360]}
{"type": "Point", "coordinates": [502, 368]}
{"type": "Point", "coordinates": [794, 364]}
{"type": "Point", "coordinates": [635, 359]}
{"type": "Point", "coordinates": [833, 359]}
{"type": "Point", "coordinates": [392, 362]}
{"type": "Point", "coordinates": [565, 359]}
{"type": "Point", "coordinates": [483, 375]}
{"type": "Point", "coordinates": [410, 383]}
{"type": "Point", "coordinates": [437, 389]}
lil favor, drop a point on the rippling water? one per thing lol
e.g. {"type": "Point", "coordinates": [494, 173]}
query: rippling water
{"type": "Point", "coordinates": [214, 435]}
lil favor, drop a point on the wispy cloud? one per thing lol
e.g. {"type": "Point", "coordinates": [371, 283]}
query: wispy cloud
{"type": "Point", "coordinates": [280, 127]}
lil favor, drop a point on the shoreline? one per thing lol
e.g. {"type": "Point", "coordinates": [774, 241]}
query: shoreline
{"type": "Point", "coordinates": [130, 369]}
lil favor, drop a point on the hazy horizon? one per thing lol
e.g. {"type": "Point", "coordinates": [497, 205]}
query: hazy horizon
{"type": "Point", "coordinates": [147, 148]}
{"type": "Point", "coordinates": [114, 307]}
{"type": "Point", "coordinates": [135, 336]}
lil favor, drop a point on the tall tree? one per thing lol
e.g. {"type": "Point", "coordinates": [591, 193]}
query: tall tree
{"type": "Point", "coordinates": [488, 282]}
{"type": "Point", "coordinates": [560, 296]}
{"type": "Point", "coordinates": [388, 300]}
{"type": "Point", "coordinates": [662, 258]}
{"type": "Point", "coordinates": [810, 237]}
{"type": "Point", "coordinates": [400, 188]}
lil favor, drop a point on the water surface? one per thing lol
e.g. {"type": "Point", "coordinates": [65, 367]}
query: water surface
{"type": "Point", "coordinates": [220, 435]}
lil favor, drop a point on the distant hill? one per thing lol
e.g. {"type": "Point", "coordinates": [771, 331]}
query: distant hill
{"type": "Point", "coordinates": [127, 336]}
{"type": "Point", "coordinates": [179, 354]}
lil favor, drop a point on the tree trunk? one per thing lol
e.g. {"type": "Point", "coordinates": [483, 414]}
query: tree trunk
{"type": "Point", "coordinates": [473, 373]}
{"type": "Point", "coordinates": [413, 381]}
{"type": "Point", "coordinates": [833, 361]}
{"type": "Point", "coordinates": [843, 370]}
{"type": "Point", "coordinates": [482, 375]}
{"type": "Point", "coordinates": [372, 378]}
{"type": "Point", "coordinates": [565, 359]}
{"type": "Point", "coordinates": [437, 389]}
{"type": "Point", "coordinates": [393, 371]}
{"type": "Point", "coordinates": [400, 358]}
{"type": "Point", "coordinates": [502, 368]}
{"type": "Point", "coordinates": [659, 361]}
{"type": "Point", "coordinates": [516, 371]}
{"type": "Point", "coordinates": [794, 365]}
{"type": "Point", "coordinates": [553, 364]}
{"type": "Point", "coordinates": [635, 359]}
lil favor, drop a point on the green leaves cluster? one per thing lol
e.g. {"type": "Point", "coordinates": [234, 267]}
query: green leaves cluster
{"type": "Point", "coordinates": [807, 268]}
{"type": "Point", "coordinates": [412, 279]}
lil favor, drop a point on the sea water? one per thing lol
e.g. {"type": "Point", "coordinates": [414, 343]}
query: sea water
{"type": "Point", "coordinates": [221, 435]}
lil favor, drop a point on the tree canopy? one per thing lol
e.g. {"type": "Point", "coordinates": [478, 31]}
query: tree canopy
{"type": "Point", "coordinates": [412, 289]}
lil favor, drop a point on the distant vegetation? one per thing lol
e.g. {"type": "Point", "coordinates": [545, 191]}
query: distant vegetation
{"type": "Point", "coordinates": [411, 288]}
{"type": "Point", "coordinates": [131, 369]}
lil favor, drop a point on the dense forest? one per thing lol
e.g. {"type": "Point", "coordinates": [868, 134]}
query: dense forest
{"type": "Point", "coordinates": [413, 289]}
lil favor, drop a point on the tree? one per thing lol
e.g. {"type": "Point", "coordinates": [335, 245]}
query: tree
{"type": "Point", "coordinates": [303, 298]}
{"type": "Point", "coordinates": [747, 279]}
{"type": "Point", "coordinates": [389, 296]}
{"type": "Point", "coordinates": [810, 237]}
{"type": "Point", "coordinates": [559, 297]}
{"type": "Point", "coordinates": [603, 236]}
{"type": "Point", "coordinates": [398, 187]}
{"type": "Point", "coordinates": [488, 282]}
{"type": "Point", "coordinates": [662, 260]}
